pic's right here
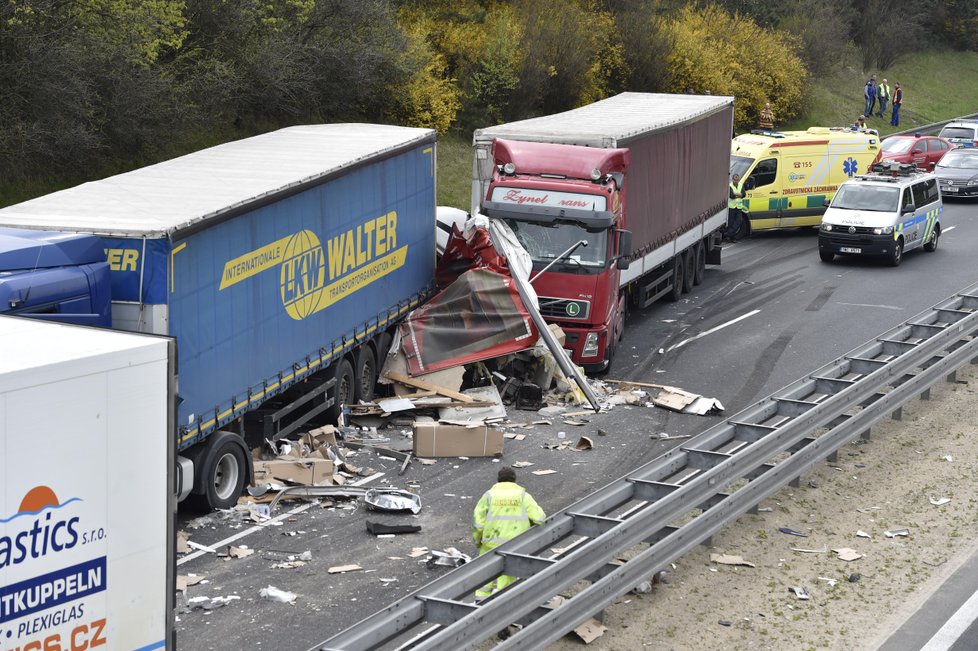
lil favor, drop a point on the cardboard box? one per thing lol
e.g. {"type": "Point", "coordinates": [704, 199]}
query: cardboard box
{"type": "Point", "coordinates": [440, 440]}
{"type": "Point", "coordinates": [308, 471]}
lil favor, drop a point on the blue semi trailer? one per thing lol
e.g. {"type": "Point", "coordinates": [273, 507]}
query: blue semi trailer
{"type": "Point", "coordinates": [280, 263]}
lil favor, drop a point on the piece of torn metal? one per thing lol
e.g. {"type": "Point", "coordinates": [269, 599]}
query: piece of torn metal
{"type": "Point", "coordinates": [210, 603]}
{"type": "Point", "coordinates": [540, 473]}
{"type": "Point", "coordinates": [800, 591]}
{"type": "Point", "coordinates": [823, 550]}
{"type": "Point", "coordinates": [386, 528]}
{"type": "Point", "coordinates": [451, 557]}
{"type": "Point", "coordinates": [318, 491]}
{"type": "Point", "coordinates": [939, 501]}
{"type": "Point", "coordinates": [393, 500]}
{"type": "Point", "coordinates": [343, 569]}
{"type": "Point", "coordinates": [893, 533]}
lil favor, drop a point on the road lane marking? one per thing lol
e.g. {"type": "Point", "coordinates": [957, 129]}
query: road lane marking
{"type": "Point", "coordinates": [712, 330]}
{"type": "Point", "coordinates": [882, 307]}
{"type": "Point", "coordinates": [954, 627]}
{"type": "Point", "coordinates": [264, 525]}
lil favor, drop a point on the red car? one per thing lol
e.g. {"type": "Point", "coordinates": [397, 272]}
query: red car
{"type": "Point", "coordinates": [924, 151]}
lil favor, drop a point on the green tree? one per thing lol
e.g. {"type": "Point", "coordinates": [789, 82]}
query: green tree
{"type": "Point", "coordinates": [731, 55]}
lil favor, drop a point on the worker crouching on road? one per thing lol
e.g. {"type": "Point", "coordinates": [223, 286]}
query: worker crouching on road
{"type": "Point", "coordinates": [505, 511]}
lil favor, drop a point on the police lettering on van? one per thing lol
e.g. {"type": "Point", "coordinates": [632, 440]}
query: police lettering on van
{"type": "Point", "coordinates": [894, 209]}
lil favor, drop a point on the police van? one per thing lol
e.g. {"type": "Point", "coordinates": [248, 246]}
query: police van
{"type": "Point", "coordinates": [892, 210]}
{"type": "Point", "coordinates": [788, 175]}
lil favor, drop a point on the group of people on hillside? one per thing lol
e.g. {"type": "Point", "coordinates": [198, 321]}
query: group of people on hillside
{"type": "Point", "coordinates": [877, 97]}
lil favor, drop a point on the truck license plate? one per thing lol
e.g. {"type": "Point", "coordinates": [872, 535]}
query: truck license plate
{"type": "Point", "coordinates": [950, 188]}
{"type": "Point", "coordinates": [849, 249]}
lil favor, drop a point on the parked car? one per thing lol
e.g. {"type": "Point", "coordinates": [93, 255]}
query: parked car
{"type": "Point", "coordinates": [961, 134]}
{"type": "Point", "coordinates": [922, 151]}
{"type": "Point", "coordinates": [958, 173]}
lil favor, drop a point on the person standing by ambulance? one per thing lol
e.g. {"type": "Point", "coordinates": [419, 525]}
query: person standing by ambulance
{"type": "Point", "coordinates": [504, 511]}
{"type": "Point", "coordinates": [736, 209]}
{"type": "Point", "coordinates": [882, 96]}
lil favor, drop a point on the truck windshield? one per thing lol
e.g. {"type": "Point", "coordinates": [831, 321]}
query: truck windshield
{"type": "Point", "coordinates": [867, 197]}
{"type": "Point", "coordinates": [740, 165]}
{"type": "Point", "coordinates": [544, 242]}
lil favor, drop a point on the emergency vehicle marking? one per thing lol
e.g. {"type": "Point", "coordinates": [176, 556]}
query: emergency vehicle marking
{"type": "Point", "coordinates": [352, 260]}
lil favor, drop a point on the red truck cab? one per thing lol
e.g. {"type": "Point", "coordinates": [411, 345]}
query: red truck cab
{"type": "Point", "coordinates": [566, 205]}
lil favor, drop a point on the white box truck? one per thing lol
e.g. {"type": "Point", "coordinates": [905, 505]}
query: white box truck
{"type": "Point", "coordinates": [87, 500]}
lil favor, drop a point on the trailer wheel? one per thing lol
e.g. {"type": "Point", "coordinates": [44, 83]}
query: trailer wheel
{"type": "Point", "coordinates": [366, 373]}
{"type": "Point", "coordinates": [689, 272]}
{"type": "Point", "coordinates": [700, 271]}
{"type": "Point", "coordinates": [678, 267]}
{"type": "Point", "coordinates": [344, 391]}
{"type": "Point", "coordinates": [222, 473]}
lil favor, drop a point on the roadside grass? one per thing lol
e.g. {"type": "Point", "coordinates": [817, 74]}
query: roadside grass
{"type": "Point", "coordinates": [937, 85]}
{"type": "Point", "coordinates": [455, 171]}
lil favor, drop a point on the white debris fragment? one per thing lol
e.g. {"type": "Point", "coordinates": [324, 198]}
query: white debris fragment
{"type": "Point", "coordinates": [274, 594]}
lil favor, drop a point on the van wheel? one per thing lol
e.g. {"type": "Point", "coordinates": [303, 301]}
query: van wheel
{"type": "Point", "coordinates": [700, 271]}
{"type": "Point", "coordinates": [827, 256]}
{"type": "Point", "coordinates": [678, 267]}
{"type": "Point", "coordinates": [689, 272]}
{"type": "Point", "coordinates": [344, 390]}
{"type": "Point", "coordinates": [931, 245]}
{"type": "Point", "coordinates": [366, 373]}
{"type": "Point", "coordinates": [897, 256]}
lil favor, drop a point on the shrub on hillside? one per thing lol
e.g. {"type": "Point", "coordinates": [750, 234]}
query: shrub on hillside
{"type": "Point", "coordinates": [731, 55]}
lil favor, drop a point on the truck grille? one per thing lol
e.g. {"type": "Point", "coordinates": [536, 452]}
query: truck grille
{"type": "Point", "coordinates": [562, 308]}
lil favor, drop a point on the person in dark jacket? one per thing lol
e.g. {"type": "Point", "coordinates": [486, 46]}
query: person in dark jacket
{"type": "Point", "coordinates": [869, 94]}
{"type": "Point", "coordinates": [897, 102]}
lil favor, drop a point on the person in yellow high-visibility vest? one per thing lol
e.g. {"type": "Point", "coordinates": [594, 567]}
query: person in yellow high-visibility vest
{"type": "Point", "coordinates": [736, 209]}
{"type": "Point", "coordinates": [505, 511]}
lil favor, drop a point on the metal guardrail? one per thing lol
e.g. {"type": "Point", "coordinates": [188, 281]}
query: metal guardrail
{"type": "Point", "coordinates": [926, 128]}
{"type": "Point", "coordinates": [717, 476]}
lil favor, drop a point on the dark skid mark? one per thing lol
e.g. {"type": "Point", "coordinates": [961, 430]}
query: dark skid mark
{"type": "Point", "coordinates": [820, 300]}
{"type": "Point", "coordinates": [767, 361]}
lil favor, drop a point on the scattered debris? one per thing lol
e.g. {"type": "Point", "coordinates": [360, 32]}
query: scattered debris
{"type": "Point", "coordinates": [451, 557]}
{"type": "Point", "coordinates": [939, 501]}
{"type": "Point", "coordinates": [184, 581]}
{"type": "Point", "coordinates": [384, 528]}
{"type": "Point", "coordinates": [440, 440]}
{"type": "Point", "coordinates": [668, 397]}
{"type": "Point", "coordinates": [584, 443]}
{"type": "Point", "coordinates": [830, 582]}
{"type": "Point", "coordinates": [800, 591]}
{"type": "Point", "coordinates": [893, 533]}
{"type": "Point", "coordinates": [540, 473]}
{"type": "Point", "coordinates": [342, 569]}
{"type": "Point", "coordinates": [523, 464]}
{"type": "Point", "coordinates": [239, 552]}
{"type": "Point", "coordinates": [274, 594]}
{"type": "Point", "coordinates": [210, 603]}
{"type": "Point", "coordinates": [862, 534]}
{"type": "Point", "coordinates": [202, 548]}
{"type": "Point", "coordinates": [724, 622]}
{"type": "Point", "coordinates": [792, 532]}
{"type": "Point", "coordinates": [182, 546]}
{"type": "Point", "coordinates": [392, 500]}
{"type": "Point", "coordinates": [730, 559]}
{"type": "Point", "coordinates": [948, 457]}
{"type": "Point", "coordinates": [854, 578]}
{"type": "Point", "coordinates": [847, 554]}
{"type": "Point", "coordinates": [590, 630]}
{"type": "Point", "coordinates": [418, 551]}
{"type": "Point", "coordinates": [810, 551]}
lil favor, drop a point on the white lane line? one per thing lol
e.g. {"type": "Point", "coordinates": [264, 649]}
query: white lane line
{"type": "Point", "coordinates": [954, 627]}
{"type": "Point", "coordinates": [882, 307]}
{"type": "Point", "coordinates": [712, 330]}
{"type": "Point", "coordinates": [263, 525]}
{"type": "Point", "coordinates": [949, 228]}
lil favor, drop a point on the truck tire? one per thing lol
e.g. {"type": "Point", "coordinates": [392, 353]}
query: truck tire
{"type": "Point", "coordinates": [221, 473]}
{"type": "Point", "coordinates": [344, 391]}
{"type": "Point", "coordinates": [700, 271]}
{"type": "Point", "coordinates": [366, 373]}
{"type": "Point", "coordinates": [677, 279]}
{"type": "Point", "coordinates": [689, 273]}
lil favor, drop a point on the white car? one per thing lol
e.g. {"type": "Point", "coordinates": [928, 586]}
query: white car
{"type": "Point", "coordinates": [883, 214]}
{"type": "Point", "coordinates": [960, 134]}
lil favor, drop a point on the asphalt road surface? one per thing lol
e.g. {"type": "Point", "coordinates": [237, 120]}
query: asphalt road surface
{"type": "Point", "coordinates": [771, 313]}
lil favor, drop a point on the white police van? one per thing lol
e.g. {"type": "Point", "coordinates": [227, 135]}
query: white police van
{"type": "Point", "coordinates": [894, 209]}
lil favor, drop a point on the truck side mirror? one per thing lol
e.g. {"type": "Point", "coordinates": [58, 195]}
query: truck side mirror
{"type": "Point", "coordinates": [624, 249]}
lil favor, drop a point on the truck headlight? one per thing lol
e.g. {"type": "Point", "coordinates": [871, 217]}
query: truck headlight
{"type": "Point", "coordinates": [826, 227]}
{"type": "Point", "coordinates": [883, 230]}
{"type": "Point", "coordinates": [590, 345]}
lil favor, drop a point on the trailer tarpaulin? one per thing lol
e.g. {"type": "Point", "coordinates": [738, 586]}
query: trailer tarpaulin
{"type": "Point", "coordinates": [479, 316]}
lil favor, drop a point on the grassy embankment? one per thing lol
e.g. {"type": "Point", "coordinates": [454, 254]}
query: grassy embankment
{"type": "Point", "coordinates": [936, 86]}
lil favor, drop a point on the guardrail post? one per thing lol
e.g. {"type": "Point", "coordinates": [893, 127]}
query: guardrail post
{"type": "Point", "coordinates": [866, 434]}
{"type": "Point", "coordinates": [898, 413]}
{"type": "Point", "coordinates": [952, 376]}
{"type": "Point", "coordinates": [795, 483]}
{"type": "Point", "coordinates": [833, 457]}
{"type": "Point", "coordinates": [925, 395]}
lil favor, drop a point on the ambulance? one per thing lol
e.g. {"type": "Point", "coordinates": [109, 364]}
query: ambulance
{"type": "Point", "coordinates": [789, 177]}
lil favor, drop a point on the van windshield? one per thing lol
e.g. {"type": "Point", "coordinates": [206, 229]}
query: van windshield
{"type": "Point", "coordinates": [740, 165]}
{"type": "Point", "coordinates": [852, 196]}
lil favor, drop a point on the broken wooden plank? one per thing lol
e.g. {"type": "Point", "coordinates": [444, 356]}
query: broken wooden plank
{"type": "Point", "coordinates": [427, 386]}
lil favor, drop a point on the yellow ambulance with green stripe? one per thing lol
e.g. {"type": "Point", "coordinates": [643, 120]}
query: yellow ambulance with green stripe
{"type": "Point", "coordinates": [789, 176]}
{"type": "Point", "coordinates": [893, 209]}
